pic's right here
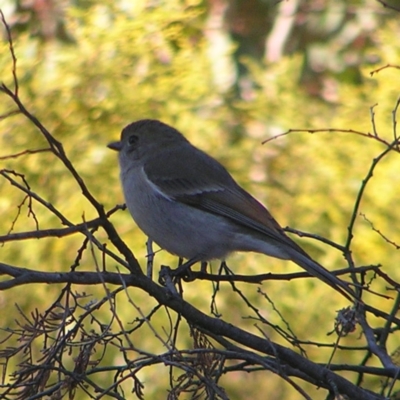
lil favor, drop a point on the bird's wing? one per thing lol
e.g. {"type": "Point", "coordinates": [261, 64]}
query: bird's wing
{"type": "Point", "coordinates": [207, 185]}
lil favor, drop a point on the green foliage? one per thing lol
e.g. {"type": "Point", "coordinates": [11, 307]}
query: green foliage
{"type": "Point", "coordinates": [134, 62]}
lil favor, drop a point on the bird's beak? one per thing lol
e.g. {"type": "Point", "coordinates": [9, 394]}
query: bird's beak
{"type": "Point", "coordinates": [117, 146]}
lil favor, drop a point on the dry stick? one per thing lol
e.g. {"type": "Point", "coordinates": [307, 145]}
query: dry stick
{"type": "Point", "coordinates": [331, 130]}
{"type": "Point", "coordinates": [259, 278]}
{"type": "Point", "coordinates": [194, 316]}
{"type": "Point", "coordinates": [24, 276]}
{"type": "Point", "coordinates": [6, 174]}
{"type": "Point", "coordinates": [267, 362]}
{"type": "Point", "coordinates": [394, 120]}
{"type": "Point", "coordinates": [12, 52]}
{"type": "Point", "coordinates": [362, 190]}
{"type": "Point", "coordinates": [386, 5]}
{"type": "Point", "coordinates": [22, 153]}
{"type": "Point", "coordinates": [58, 150]}
{"type": "Point", "coordinates": [55, 232]}
{"type": "Point", "coordinates": [384, 237]}
{"type": "Point", "coordinates": [386, 330]}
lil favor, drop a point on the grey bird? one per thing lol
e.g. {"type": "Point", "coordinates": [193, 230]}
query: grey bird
{"type": "Point", "coordinates": [189, 204]}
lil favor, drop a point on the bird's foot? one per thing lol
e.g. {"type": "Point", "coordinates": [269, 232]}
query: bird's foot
{"type": "Point", "coordinates": [166, 279]}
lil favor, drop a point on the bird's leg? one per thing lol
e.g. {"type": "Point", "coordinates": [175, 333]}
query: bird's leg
{"type": "Point", "coordinates": [150, 258]}
{"type": "Point", "coordinates": [165, 279]}
{"type": "Point", "coordinates": [203, 267]}
{"type": "Point", "coordinates": [224, 267]}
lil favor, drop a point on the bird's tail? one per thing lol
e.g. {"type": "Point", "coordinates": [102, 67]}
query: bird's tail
{"type": "Point", "coordinates": [317, 270]}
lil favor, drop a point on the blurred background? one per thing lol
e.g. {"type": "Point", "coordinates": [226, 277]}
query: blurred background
{"type": "Point", "coordinates": [228, 74]}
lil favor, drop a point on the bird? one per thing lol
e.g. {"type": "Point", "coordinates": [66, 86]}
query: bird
{"type": "Point", "coordinates": [189, 204]}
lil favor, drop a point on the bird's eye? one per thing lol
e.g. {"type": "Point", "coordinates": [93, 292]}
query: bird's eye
{"type": "Point", "coordinates": [133, 140]}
